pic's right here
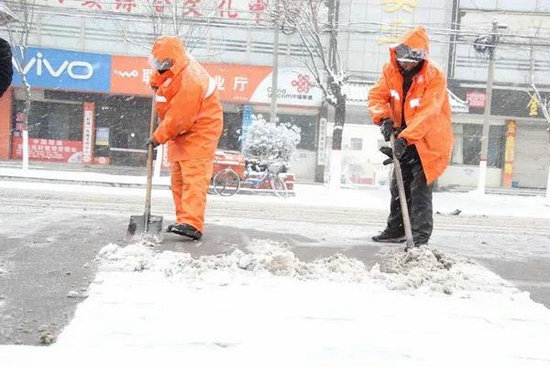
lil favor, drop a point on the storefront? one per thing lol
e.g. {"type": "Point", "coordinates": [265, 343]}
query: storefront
{"type": "Point", "coordinates": [60, 129]}
{"type": "Point", "coordinates": [244, 90]}
{"type": "Point", "coordinates": [519, 146]}
{"type": "Point", "coordinates": [93, 108]}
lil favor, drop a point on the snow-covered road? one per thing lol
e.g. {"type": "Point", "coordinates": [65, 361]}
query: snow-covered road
{"type": "Point", "coordinates": [52, 233]}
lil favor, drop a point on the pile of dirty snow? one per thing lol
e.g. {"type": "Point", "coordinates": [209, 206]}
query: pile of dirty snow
{"type": "Point", "coordinates": [261, 257]}
{"type": "Point", "coordinates": [418, 269]}
{"type": "Point", "coordinates": [428, 268]}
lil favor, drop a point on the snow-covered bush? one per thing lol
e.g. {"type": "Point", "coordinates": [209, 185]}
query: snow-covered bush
{"type": "Point", "coordinates": [267, 142]}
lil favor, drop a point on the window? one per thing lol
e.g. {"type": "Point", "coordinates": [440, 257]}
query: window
{"type": "Point", "coordinates": [51, 120]}
{"type": "Point", "coordinates": [471, 139]}
{"type": "Point", "coordinates": [356, 144]}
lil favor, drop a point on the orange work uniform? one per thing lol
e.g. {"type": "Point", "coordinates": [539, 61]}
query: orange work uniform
{"type": "Point", "coordinates": [192, 122]}
{"type": "Point", "coordinates": [427, 111]}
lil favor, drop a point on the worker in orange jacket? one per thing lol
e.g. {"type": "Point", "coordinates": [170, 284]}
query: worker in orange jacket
{"type": "Point", "coordinates": [411, 100]}
{"type": "Point", "coordinates": [192, 121]}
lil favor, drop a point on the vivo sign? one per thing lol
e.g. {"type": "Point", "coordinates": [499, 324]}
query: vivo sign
{"type": "Point", "coordinates": [51, 68]}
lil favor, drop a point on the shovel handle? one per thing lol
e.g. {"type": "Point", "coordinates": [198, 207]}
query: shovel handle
{"type": "Point", "coordinates": [402, 197]}
{"type": "Point", "coordinates": [148, 187]}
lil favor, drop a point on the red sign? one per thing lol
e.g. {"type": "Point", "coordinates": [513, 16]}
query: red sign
{"type": "Point", "coordinates": [236, 83]}
{"type": "Point", "coordinates": [130, 75]}
{"type": "Point", "coordinates": [49, 150]}
{"type": "Point", "coordinates": [509, 154]}
{"type": "Point", "coordinates": [475, 98]}
{"type": "Point", "coordinates": [88, 127]}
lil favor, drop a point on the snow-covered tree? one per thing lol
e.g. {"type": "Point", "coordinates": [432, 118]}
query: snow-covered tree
{"type": "Point", "coordinates": [19, 33]}
{"type": "Point", "coordinates": [267, 142]}
{"type": "Point", "coordinates": [316, 24]}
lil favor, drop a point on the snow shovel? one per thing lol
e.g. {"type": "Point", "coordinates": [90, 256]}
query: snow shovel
{"type": "Point", "coordinates": [147, 226]}
{"type": "Point", "coordinates": [402, 197]}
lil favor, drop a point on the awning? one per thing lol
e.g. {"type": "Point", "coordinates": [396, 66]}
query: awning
{"type": "Point", "coordinates": [357, 95]}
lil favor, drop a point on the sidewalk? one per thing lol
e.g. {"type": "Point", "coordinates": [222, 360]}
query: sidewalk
{"type": "Point", "coordinates": [125, 176]}
{"type": "Point", "coordinates": [118, 176]}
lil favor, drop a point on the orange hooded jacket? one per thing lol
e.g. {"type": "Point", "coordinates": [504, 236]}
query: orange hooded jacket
{"type": "Point", "coordinates": [427, 109]}
{"type": "Point", "coordinates": [187, 104]}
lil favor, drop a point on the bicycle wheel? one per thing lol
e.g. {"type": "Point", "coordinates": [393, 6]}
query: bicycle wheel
{"type": "Point", "coordinates": [278, 186]}
{"type": "Point", "coordinates": [211, 190]}
{"type": "Point", "coordinates": [226, 182]}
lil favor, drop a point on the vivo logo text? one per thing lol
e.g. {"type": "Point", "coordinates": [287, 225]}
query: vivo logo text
{"type": "Point", "coordinates": [80, 70]}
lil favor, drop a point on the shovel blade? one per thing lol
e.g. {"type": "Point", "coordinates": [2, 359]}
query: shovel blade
{"type": "Point", "coordinates": [137, 231]}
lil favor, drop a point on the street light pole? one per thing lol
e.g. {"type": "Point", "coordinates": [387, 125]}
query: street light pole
{"type": "Point", "coordinates": [275, 73]}
{"type": "Point", "coordinates": [487, 112]}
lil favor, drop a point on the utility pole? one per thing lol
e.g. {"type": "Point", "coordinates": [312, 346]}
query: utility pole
{"type": "Point", "coordinates": [494, 38]}
{"type": "Point", "coordinates": [275, 73]}
{"type": "Point", "coordinates": [335, 168]}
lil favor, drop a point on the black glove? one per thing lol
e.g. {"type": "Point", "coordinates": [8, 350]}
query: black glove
{"type": "Point", "coordinates": [387, 128]}
{"type": "Point", "coordinates": [152, 141]}
{"type": "Point", "coordinates": [399, 147]}
{"type": "Point", "coordinates": [387, 151]}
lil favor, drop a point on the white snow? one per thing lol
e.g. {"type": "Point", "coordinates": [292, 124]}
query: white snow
{"type": "Point", "coordinates": [264, 307]}
{"type": "Point", "coordinates": [376, 197]}
{"type": "Point", "coordinates": [80, 176]}
{"type": "Point", "coordinates": [266, 141]}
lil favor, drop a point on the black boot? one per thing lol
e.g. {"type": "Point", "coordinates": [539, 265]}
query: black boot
{"type": "Point", "coordinates": [389, 236]}
{"type": "Point", "coordinates": [420, 241]}
{"type": "Point", "coordinates": [185, 230]}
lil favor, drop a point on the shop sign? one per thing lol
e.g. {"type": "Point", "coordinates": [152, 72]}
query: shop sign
{"type": "Point", "coordinates": [60, 69]}
{"type": "Point", "coordinates": [237, 83]}
{"type": "Point", "coordinates": [247, 121]}
{"type": "Point", "coordinates": [87, 133]}
{"type": "Point", "coordinates": [227, 10]}
{"type": "Point", "coordinates": [102, 136]}
{"type": "Point", "coordinates": [130, 75]}
{"type": "Point", "coordinates": [509, 151]}
{"type": "Point", "coordinates": [296, 87]}
{"type": "Point", "coordinates": [322, 142]}
{"type": "Point", "coordinates": [475, 98]}
{"type": "Point", "coordinates": [49, 150]}
{"type": "Point", "coordinates": [533, 105]}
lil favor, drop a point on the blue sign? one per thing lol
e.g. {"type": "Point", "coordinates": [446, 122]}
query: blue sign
{"type": "Point", "coordinates": [60, 69]}
{"type": "Point", "coordinates": [247, 121]}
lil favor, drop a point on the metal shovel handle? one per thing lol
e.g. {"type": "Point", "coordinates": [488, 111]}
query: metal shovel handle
{"type": "Point", "coordinates": [148, 187]}
{"type": "Point", "coordinates": [402, 197]}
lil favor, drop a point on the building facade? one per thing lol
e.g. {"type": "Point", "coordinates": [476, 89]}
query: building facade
{"type": "Point", "coordinates": [519, 144]}
{"type": "Point", "coordinates": [88, 69]}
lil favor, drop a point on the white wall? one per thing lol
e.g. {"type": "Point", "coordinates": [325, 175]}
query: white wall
{"type": "Point", "coordinates": [367, 162]}
{"type": "Point", "coordinates": [302, 165]}
{"type": "Point", "coordinates": [459, 175]}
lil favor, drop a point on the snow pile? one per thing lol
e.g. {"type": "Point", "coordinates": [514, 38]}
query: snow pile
{"type": "Point", "coordinates": [262, 257]}
{"type": "Point", "coordinates": [421, 268]}
{"type": "Point", "coordinates": [428, 268]}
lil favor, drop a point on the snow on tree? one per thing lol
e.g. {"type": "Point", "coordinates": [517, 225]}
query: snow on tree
{"type": "Point", "coordinates": [267, 142]}
{"type": "Point", "coordinates": [316, 24]}
{"type": "Point", "coordinates": [19, 33]}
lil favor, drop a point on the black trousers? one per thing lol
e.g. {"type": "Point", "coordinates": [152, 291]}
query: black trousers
{"type": "Point", "coordinates": [419, 198]}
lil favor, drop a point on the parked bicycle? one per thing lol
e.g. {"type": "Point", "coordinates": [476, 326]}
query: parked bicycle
{"type": "Point", "coordinates": [227, 182]}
